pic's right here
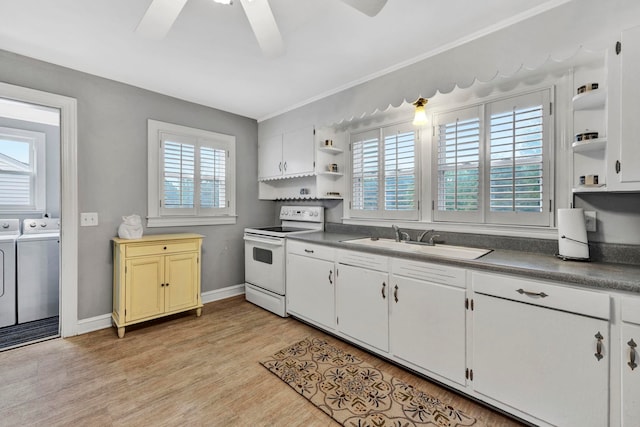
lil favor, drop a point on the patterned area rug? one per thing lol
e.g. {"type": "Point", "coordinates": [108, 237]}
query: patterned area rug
{"type": "Point", "coordinates": [356, 394]}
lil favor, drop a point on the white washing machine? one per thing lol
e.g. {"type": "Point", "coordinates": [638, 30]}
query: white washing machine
{"type": "Point", "coordinates": [9, 232]}
{"type": "Point", "coordinates": [38, 279]}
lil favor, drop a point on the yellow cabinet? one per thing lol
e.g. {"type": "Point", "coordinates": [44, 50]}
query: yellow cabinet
{"type": "Point", "coordinates": [155, 276]}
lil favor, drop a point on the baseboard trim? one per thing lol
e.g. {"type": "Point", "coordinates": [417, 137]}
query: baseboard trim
{"type": "Point", "coordinates": [104, 320]}
{"type": "Point", "coordinates": [93, 324]}
{"type": "Point", "coordinates": [219, 294]}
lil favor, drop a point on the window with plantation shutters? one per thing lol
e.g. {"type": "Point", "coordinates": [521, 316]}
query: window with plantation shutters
{"type": "Point", "coordinates": [22, 170]}
{"type": "Point", "coordinates": [384, 173]}
{"type": "Point", "coordinates": [191, 176]}
{"type": "Point", "coordinates": [492, 162]}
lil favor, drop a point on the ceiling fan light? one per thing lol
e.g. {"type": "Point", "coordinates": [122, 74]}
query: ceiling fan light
{"type": "Point", "coordinates": [420, 117]}
{"type": "Point", "coordinates": [227, 2]}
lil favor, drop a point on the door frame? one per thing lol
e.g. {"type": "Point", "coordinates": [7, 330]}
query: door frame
{"type": "Point", "coordinates": [68, 193]}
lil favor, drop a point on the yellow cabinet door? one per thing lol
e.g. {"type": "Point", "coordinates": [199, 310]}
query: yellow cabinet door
{"type": "Point", "coordinates": [181, 275]}
{"type": "Point", "coordinates": [145, 295]}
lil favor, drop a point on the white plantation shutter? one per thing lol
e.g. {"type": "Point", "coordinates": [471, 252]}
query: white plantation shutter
{"type": "Point", "coordinates": [517, 160]}
{"type": "Point", "coordinates": [194, 176]}
{"type": "Point", "coordinates": [458, 191]}
{"type": "Point", "coordinates": [384, 173]}
{"type": "Point", "coordinates": [365, 172]}
{"type": "Point", "coordinates": [400, 175]}
{"type": "Point", "coordinates": [213, 194]}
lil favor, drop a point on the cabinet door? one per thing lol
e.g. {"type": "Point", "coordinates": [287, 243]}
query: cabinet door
{"type": "Point", "coordinates": [270, 157]}
{"type": "Point", "coordinates": [144, 297]}
{"type": "Point", "coordinates": [630, 375]}
{"type": "Point", "coordinates": [310, 290]}
{"type": "Point", "coordinates": [361, 304]}
{"type": "Point", "coordinates": [181, 281]}
{"type": "Point", "coordinates": [541, 361]}
{"type": "Point", "coordinates": [630, 105]}
{"type": "Point", "coordinates": [427, 326]}
{"type": "Point", "coordinates": [298, 151]}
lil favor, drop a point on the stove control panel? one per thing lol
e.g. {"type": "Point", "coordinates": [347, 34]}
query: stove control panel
{"type": "Point", "coordinates": [302, 213]}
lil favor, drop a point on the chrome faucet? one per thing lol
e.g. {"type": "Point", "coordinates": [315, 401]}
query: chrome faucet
{"type": "Point", "coordinates": [433, 236]}
{"type": "Point", "coordinates": [400, 235]}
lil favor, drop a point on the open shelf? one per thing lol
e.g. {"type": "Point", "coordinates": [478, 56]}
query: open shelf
{"type": "Point", "coordinates": [327, 173]}
{"type": "Point", "coordinates": [589, 145]}
{"type": "Point", "coordinates": [595, 188]}
{"type": "Point", "coordinates": [330, 150]}
{"type": "Point", "coordinates": [592, 100]}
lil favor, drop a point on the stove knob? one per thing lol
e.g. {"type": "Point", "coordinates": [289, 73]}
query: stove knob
{"type": "Point", "coordinates": [5, 225]}
{"type": "Point", "coordinates": [32, 224]}
{"type": "Point", "coordinates": [315, 213]}
{"type": "Point", "coordinates": [43, 224]}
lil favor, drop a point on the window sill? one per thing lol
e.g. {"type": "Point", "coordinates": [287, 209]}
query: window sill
{"type": "Point", "coordinates": [190, 221]}
{"type": "Point", "coordinates": [490, 229]}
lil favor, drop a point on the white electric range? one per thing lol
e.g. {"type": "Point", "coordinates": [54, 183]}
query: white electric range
{"type": "Point", "coordinates": [264, 255]}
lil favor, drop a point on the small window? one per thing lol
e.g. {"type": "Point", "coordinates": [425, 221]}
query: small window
{"type": "Point", "coordinates": [191, 176]}
{"type": "Point", "coordinates": [22, 170]}
{"type": "Point", "coordinates": [384, 173]}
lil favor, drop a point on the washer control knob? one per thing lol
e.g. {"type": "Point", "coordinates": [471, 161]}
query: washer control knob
{"type": "Point", "coordinates": [5, 225]}
{"type": "Point", "coordinates": [43, 224]}
{"type": "Point", "coordinates": [32, 224]}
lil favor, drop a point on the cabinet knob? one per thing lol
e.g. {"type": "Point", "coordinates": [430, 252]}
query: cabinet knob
{"type": "Point", "coordinates": [165, 248]}
{"type": "Point", "coordinates": [162, 284]}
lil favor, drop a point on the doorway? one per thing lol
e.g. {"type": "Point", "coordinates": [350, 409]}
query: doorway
{"type": "Point", "coordinates": [67, 197]}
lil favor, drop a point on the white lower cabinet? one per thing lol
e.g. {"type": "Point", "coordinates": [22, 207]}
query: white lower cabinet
{"type": "Point", "coordinates": [630, 366]}
{"type": "Point", "coordinates": [361, 300]}
{"type": "Point", "coordinates": [532, 355]}
{"type": "Point", "coordinates": [362, 291]}
{"type": "Point", "coordinates": [310, 283]}
{"type": "Point", "coordinates": [427, 319]}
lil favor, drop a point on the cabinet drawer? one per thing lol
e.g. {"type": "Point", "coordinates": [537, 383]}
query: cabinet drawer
{"type": "Point", "coordinates": [311, 250]}
{"type": "Point", "coordinates": [434, 273]}
{"type": "Point", "coordinates": [631, 310]}
{"type": "Point", "coordinates": [160, 248]}
{"type": "Point", "coordinates": [544, 294]}
{"type": "Point", "coordinates": [362, 259]}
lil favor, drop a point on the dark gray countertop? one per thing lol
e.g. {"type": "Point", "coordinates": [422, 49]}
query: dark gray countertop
{"type": "Point", "coordinates": [620, 277]}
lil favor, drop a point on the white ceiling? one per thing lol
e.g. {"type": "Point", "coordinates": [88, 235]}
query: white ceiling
{"type": "Point", "coordinates": [211, 57]}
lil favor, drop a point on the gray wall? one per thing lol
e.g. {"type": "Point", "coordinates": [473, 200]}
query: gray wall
{"type": "Point", "coordinates": [52, 156]}
{"type": "Point", "coordinates": [112, 171]}
{"type": "Point", "coordinates": [617, 216]}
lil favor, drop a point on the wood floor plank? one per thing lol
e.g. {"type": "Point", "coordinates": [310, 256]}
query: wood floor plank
{"type": "Point", "coordinates": [181, 370]}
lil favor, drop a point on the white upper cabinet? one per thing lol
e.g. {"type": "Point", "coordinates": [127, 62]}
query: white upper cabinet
{"type": "Point", "coordinates": [287, 155]}
{"type": "Point", "coordinates": [623, 162]}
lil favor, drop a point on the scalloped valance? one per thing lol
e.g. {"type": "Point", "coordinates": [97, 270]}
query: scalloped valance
{"type": "Point", "coordinates": [555, 39]}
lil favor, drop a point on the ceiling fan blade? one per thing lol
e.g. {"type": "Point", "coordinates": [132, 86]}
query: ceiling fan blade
{"type": "Point", "coordinates": [368, 7]}
{"type": "Point", "coordinates": [159, 17]}
{"type": "Point", "coordinates": [264, 26]}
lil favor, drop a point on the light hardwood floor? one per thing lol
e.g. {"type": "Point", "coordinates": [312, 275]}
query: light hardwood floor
{"type": "Point", "coordinates": [178, 371]}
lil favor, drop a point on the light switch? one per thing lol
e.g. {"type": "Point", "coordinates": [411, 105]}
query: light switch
{"type": "Point", "coordinates": [88, 219]}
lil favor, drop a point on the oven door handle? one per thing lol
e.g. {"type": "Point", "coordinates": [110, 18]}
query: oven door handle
{"type": "Point", "coordinates": [274, 241]}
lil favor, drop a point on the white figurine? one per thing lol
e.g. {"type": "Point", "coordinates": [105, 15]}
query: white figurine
{"type": "Point", "coordinates": [131, 227]}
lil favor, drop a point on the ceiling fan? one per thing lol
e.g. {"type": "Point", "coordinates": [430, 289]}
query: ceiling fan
{"type": "Point", "coordinates": [161, 15]}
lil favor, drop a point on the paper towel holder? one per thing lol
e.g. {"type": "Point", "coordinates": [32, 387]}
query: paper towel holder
{"type": "Point", "coordinates": [573, 244]}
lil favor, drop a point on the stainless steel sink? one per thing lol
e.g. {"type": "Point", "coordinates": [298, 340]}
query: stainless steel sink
{"type": "Point", "coordinates": [446, 251]}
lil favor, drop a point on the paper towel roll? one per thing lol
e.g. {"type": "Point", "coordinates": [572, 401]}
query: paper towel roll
{"type": "Point", "coordinates": [572, 234]}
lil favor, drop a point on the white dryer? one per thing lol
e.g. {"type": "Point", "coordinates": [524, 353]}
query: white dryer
{"type": "Point", "coordinates": [38, 269]}
{"type": "Point", "coordinates": [9, 232]}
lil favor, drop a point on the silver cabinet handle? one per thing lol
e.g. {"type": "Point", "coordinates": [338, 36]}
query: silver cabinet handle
{"type": "Point", "coordinates": [285, 166]}
{"type": "Point", "coordinates": [632, 354]}
{"type": "Point", "coordinates": [384, 285]}
{"type": "Point", "coordinates": [532, 294]}
{"type": "Point", "coordinates": [280, 166]}
{"type": "Point", "coordinates": [330, 277]}
{"type": "Point", "coordinates": [598, 353]}
{"type": "Point", "coordinates": [395, 293]}
{"type": "Point", "coordinates": [309, 251]}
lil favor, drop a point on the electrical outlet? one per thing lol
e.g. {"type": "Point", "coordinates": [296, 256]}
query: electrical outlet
{"type": "Point", "coordinates": [88, 219]}
{"type": "Point", "coordinates": [590, 220]}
